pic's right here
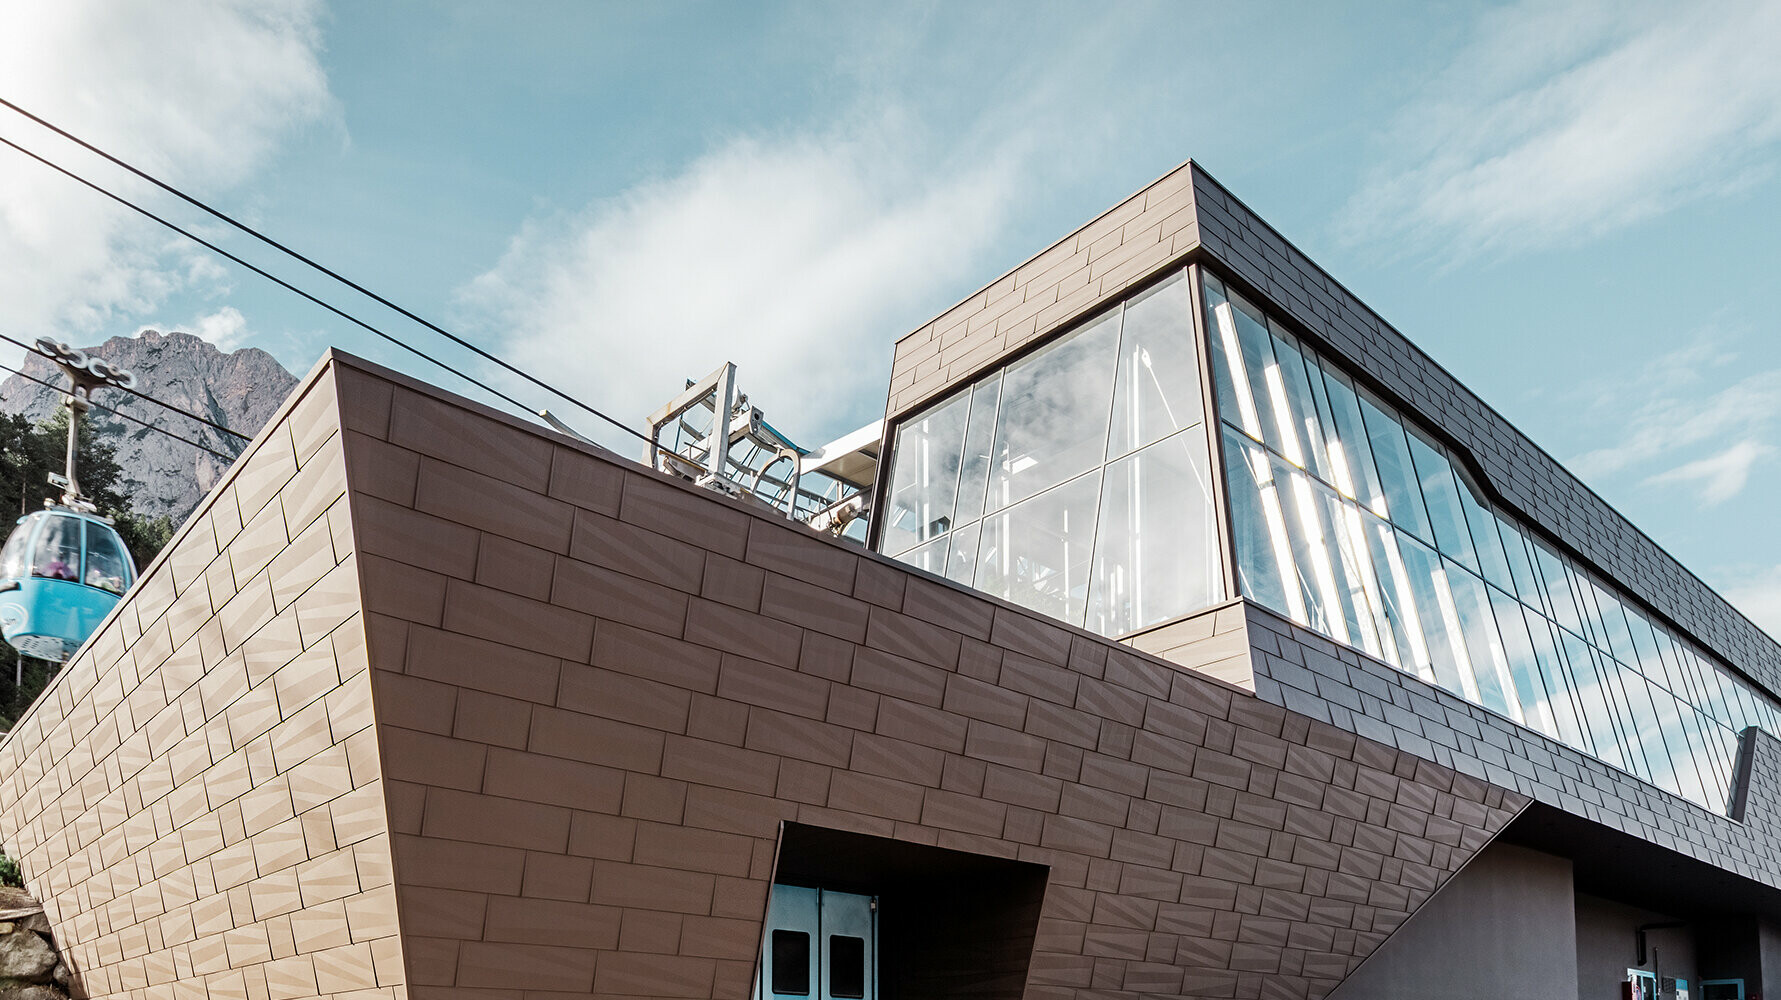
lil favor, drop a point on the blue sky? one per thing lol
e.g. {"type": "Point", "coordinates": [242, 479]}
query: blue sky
{"type": "Point", "coordinates": [1570, 205]}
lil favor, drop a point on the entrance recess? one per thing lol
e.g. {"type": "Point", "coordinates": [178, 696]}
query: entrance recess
{"type": "Point", "coordinates": [819, 945]}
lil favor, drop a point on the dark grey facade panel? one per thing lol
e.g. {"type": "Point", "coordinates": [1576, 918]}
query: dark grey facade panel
{"type": "Point", "coordinates": [1307, 673]}
{"type": "Point", "coordinates": [1524, 477]}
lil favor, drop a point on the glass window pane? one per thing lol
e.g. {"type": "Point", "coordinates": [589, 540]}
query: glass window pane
{"type": "Point", "coordinates": [1258, 528]}
{"type": "Point", "coordinates": [1397, 476]}
{"type": "Point", "coordinates": [961, 558]}
{"type": "Point", "coordinates": [1311, 554]}
{"type": "Point", "coordinates": [1229, 388]}
{"type": "Point", "coordinates": [1351, 458]}
{"type": "Point", "coordinates": [1241, 333]}
{"type": "Point", "coordinates": [1444, 640]}
{"type": "Point", "coordinates": [1304, 434]}
{"type": "Point", "coordinates": [1492, 562]}
{"type": "Point", "coordinates": [1036, 553]}
{"type": "Point", "coordinates": [1484, 646]}
{"type": "Point", "coordinates": [1521, 566]}
{"type": "Point", "coordinates": [791, 963]}
{"type": "Point", "coordinates": [1452, 536]}
{"type": "Point", "coordinates": [1645, 646]}
{"type": "Point", "coordinates": [1676, 739]}
{"type": "Point", "coordinates": [1356, 580]}
{"type": "Point", "coordinates": [1613, 619]}
{"type": "Point", "coordinates": [979, 433]}
{"type": "Point", "coordinates": [930, 556]}
{"type": "Point", "coordinates": [847, 967]}
{"type": "Point", "coordinates": [1559, 599]}
{"type": "Point", "coordinates": [1055, 406]}
{"type": "Point", "coordinates": [1156, 551]}
{"type": "Point", "coordinates": [1397, 597]}
{"type": "Point", "coordinates": [1647, 731]}
{"type": "Point", "coordinates": [12, 558]}
{"type": "Point", "coordinates": [1524, 668]}
{"type": "Point", "coordinates": [1612, 686]}
{"type": "Point", "coordinates": [1558, 682]}
{"type": "Point", "coordinates": [58, 549]}
{"type": "Point", "coordinates": [105, 561]}
{"type": "Point", "coordinates": [1597, 717]}
{"type": "Point", "coordinates": [924, 475]}
{"type": "Point", "coordinates": [1157, 388]}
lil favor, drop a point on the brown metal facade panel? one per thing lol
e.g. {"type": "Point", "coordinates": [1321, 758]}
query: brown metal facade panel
{"type": "Point", "coordinates": [586, 784]}
{"type": "Point", "coordinates": [196, 798]}
{"type": "Point", "coordinates": [1124, 245]}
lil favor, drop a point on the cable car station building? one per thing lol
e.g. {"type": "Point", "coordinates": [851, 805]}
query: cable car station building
{"type": "Point", "coordinates": [1210, 641]}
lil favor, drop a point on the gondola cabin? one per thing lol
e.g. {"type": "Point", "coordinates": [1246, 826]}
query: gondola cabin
{"type": "Point", "coordinates": [61, 573]}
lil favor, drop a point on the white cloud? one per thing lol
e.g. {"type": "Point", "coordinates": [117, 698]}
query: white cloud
{"type": "Point", "coordinates": [226, 328]}
{"type": "Point", "coordinates": [1721, 476]}
{"type": "Point", "coordinates": [198, 92]}
{"type": "Point", "coordinates": [1758, 595]}
{"type": "Point", "coordinates": [1663, 414]}
{"type": "Point", "coordinates": [1561, 122]}
{"type": "Point", "coordinates": [797, 257]}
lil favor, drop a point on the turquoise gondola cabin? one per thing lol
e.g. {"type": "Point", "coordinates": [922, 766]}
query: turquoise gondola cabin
{"type": "Point", "coordinates": [61, 573]}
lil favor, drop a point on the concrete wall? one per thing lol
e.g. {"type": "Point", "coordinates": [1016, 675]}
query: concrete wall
{"type": "Point", "coordinates": [1607, 946]}
{"type": "Point", "coordinates": [196, 798]}
{"type": "Point", "coordinates": [599, 692]}
{"type": "Point", "coordinates": [1503, 927]}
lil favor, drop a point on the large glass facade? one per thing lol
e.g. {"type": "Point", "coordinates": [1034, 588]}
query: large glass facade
{"type": "Point", "coordinates": [1074, 481]}
{"type": "Point", "coordinates": [1354, 522]}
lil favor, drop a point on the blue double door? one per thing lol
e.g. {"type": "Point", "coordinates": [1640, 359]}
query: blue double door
{"type": "Point", "coordinates": [819, 945]}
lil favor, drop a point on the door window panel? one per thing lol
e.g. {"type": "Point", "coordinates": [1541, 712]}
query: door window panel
{"type": "Point", "coordinates": [847, 967]}
{"type": "Point", "coordinates": [791, 963]}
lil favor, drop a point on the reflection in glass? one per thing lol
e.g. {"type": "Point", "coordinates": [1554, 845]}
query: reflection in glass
{"type": "Point", "coordinates": [1446, 647]}
{"type": "Point", "coordinates": [961, 559]}
{"type": "Point", "coordinates": [979, 432]}
{"type": "Point", "coordinates": [1123, 388]}
{"type": "Point", "coordinates": [1055, 406]}
{"type": "Point", "coordinates": [1351, 460]}
{"type": "Point", "coordinates": [1156, 548]}
{"type": "Point", "coordinates": [1036, 553]}
{"type": "Point", "coordinates": [1486, 542]}
{"type": "Point", "coordinates": [1397, 477]}
{"type": "Point", "coordinates": [925, 476]}
{"type": "Point", "coordinates": [1484, 646]}
{"type": "Point", "coordinates": [1264, 559]}
{"type": "Point", "coordinates": [1435, 475]}
{"type": "Point", "coordinates": [1157, 388]}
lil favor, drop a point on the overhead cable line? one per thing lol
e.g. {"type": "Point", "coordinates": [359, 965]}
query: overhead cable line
{"type": "Point", "coordinates": [275, 279]}
{"type": "Point", "coordinates": [143, 395]}
{"type": "Point", "coordinates": [98, 406]}
{"type": "Point", "coordinates": [348, 282]}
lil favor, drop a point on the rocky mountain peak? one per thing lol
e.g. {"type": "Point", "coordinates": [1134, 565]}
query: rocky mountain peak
{"type": "Point", "coordinates": [239, 389]}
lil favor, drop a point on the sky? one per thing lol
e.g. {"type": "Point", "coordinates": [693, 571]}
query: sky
{"type": "Point", "coordinates": [1572, 206]}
